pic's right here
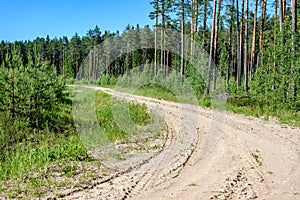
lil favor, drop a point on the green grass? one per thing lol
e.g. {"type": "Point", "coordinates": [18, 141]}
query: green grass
{"type": "Point", "coordinates": [25, 152]}
{"type": "Point", "coordinates": [137, 113]}
{"type": "Point", "coordinates": [18, 160]}
{"type": "Point", "coordinates": [23, 148]}
{"type": "Point", "coordinates": [156, 91]}
{"type": "Point", "coordinates": [23, 164]}
{"type": "Point", "coordinates": [252, 107]}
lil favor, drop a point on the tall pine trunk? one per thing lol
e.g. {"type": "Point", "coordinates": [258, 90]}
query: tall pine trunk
{"type": "Point", "coordinates": [252, 62]}
{"type": "Point", "coordinates": [238, 41]}
{"type": "Point", "coordinates": [162, 37]}
{"type": "Point", "coordinates": [274, 44]}
{"type": "Point", "coordinates": [194, 23]}
{"type": "Point", "coordinates": [230, 60]}
{"type": "Point", "coordinates": [261, 31]}
{"type": "Point", "coordinates": [155, 37]}
{"type": "Point", "coordinates": [216, 37]}
{"type": "Point", "coordinates": [182, 38]}
{"type": "Point", "coordinates": [281, 16]}
{"type": "Point", "coordinates": [193, 5]}
{"type": "Point", "coordinates": [204, 21]}
{"type": "Point", "coordinates": [218, 19]}
{"type": "Point", "coordinates": [246, 49]}
{"type": "Point", "coordinates": [197, 16]}
{"type": "Point", "coordinates": [211, 51]}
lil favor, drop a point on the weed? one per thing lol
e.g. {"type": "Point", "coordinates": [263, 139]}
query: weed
{"type": "Point", "coordinates": [69, 170]}
{"type": "Point", "coordinates": [193, 184]}
{"type": "Point", "coordinates": [257, 158]}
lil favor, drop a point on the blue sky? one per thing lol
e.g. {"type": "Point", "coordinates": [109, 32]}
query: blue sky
{"type": "Point", "coordinates": [23, 20]}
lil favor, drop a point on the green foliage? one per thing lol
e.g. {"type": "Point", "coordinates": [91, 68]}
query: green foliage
{"type": "Point", "coordinates": [38, 150]}
{"type": "Point", "coordinates": [107, 80]}
{"type": "Point", "coordinates": [105, 117]}
{"type": "Point", "coordinates": [205, 101]}
{"type": "Point", "coordinates": [36, 126]}
{"type": "Point", "coordinates": [31, 93]}
{"type": "Point", "coordinates": [138, 114]}
{"type": "Point", "coordinates": [156, 91]}
{"type": "Point", "coordinates": [69, 170]}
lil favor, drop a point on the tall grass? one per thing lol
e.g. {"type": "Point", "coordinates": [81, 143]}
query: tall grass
{"type": "Point", "coordinates": [138, 114]}
{"type": "Point", "coordinates": [19, 160]}
{"type": "Point", "coordinates": [156, 91]}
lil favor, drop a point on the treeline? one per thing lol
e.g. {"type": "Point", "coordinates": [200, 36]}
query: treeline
{"type": "Point", "coordinates": [62, 53]}
{"type": "Point", "coordinates": [254, 45]}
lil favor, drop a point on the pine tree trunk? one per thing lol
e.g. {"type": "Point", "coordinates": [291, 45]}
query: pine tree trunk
{"type": "Point", "coordinates": [283, 9]}
{"type": "Point", "coordinates": [261, 31]}
{"type": "Point", "coordinates": [211, 51]}
{"type": "Point", "coordinates": [216, 37]}
{"type": "Point", "coordinates": [239, 56]}
{"type": "Point", "coordinates": [280, 15]}
{"type": "Point", "coordinates": [274, 43]}
{"type": "Point", "coordinates": [252, 62]}
{"type": "Point", "coordinates": [194, 23]}
{"type": "Point", "coordinates": [182, 38]}
{"type": "Point", "coordinates": [155, 37]}
{"type": "Point", "coordinates": [230, 47]}
{"type": "Point", "coordinates": [162, 52]}
{"type": "Point", "coordinates": [246, 49]}
{"type": "Point", "coordinates": [192, 26]}
{"type": "Point", "coordinates": [217, 30]}
{"type": "Point", "coordinates": [196, 16]}
{"type": "Point", "coordinates": [204, 21]}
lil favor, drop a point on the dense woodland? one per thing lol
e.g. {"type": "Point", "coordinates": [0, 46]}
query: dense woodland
{"type": "Point", "coordinates": [254, 44]}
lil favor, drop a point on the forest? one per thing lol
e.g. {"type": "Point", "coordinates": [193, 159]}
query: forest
{"type": "Point", "coordinates": [254, 46]}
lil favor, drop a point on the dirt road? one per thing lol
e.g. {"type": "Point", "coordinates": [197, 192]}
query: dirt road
{"type": "Point", "coordinates": [235, 157]}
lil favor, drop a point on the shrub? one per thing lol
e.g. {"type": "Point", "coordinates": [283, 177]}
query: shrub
{"type": "Point", "coordinates": [31, 92]}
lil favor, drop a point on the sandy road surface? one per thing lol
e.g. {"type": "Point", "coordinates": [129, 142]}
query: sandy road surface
{"type": "Point", "coordinates": [250, 159]}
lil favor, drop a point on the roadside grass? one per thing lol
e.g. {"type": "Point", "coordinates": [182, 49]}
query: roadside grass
{"type": "Point", "coordinates": [25, 154]}
{"type": "Point", "coordinates": [20, 159]}
{"type": "Point", "coordinates": [240, 105]}
{"type": "Point", "coordinates": [156, 91]}
{"type": "Point", "coordinates": [265, 110]}
{"type": "Point", "coordinates": [246, 106]}
{"type": "Point", "coordinates": [37, 163]}
{"type": "Point", "coordinates": [138, 114]}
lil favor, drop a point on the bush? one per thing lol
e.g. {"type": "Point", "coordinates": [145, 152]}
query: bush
{"type": "Point", "coordinates": [31, 93]}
